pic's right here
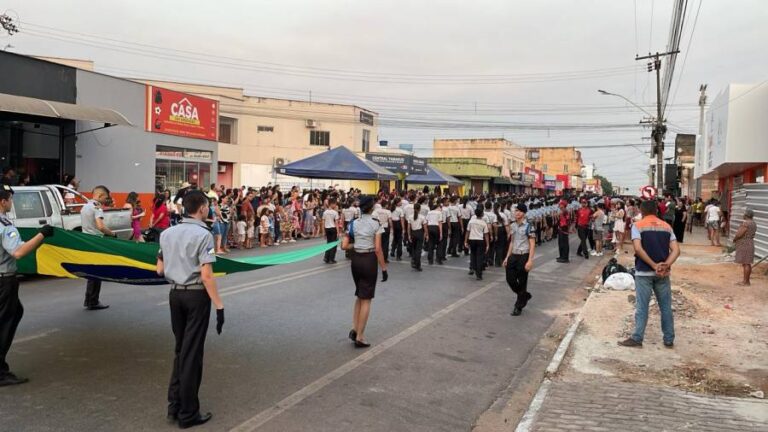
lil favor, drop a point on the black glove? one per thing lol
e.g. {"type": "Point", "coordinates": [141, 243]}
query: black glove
{"type": "Point", "coordinates": [46, 231]}
{"type": "Point", "coordinates": [219, 320]}
{"type": "Point", "coordinates": [384, 275]}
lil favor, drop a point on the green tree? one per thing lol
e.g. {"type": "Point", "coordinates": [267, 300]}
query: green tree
{"type": "Point", "coordinates": [606, 185]}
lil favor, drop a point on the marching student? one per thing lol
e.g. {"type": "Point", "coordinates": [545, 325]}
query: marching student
{"type": "Point", "coordinates": [435, 229]}
{"type": "Point", "coordinates": [417, 233]}
{"type": "Point", "coordinates": [519, 259]}
{"type": "Point", "coordinates": [477, 242]}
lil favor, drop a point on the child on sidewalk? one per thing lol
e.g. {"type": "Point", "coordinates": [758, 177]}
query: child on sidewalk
{"type": "Point", "coordinates": [264, 228]}
{"type": "Point", "coordinates": [250, 234]}
{"type": "Point", "coordinates": [241, 231]}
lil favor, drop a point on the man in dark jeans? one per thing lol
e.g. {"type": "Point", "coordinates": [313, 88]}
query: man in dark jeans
{"type": "Point", "coordinates": [583, 216]}
{"type": "Point", "coordinates": [563, 226]}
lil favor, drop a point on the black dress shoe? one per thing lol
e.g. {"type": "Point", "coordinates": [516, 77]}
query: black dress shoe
{"type": "Point", "coordinates": [419, 269]}
{"type": "Point", "coordinates": [516, 312]}
{"type": "Point", "coordinates": [98, 306]}
{"type": "Point", "coordinates": [353, 335]}
{"type": "Point", "coordinates": [10, 379]}
{"type": "Point", "coordinates": [172, 418]}
{"type": "Point", "coordinates": [471, 272]}
{"type": "Point", "coordinates": [479, 277]}
{"type": "Point", "coordinates": [201, 419]}
{"type": "Point", "coordinates": [361, 344]}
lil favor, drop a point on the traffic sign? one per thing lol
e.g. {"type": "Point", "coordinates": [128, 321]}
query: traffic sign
{"type": "Point", "coordinates": [648, 192]}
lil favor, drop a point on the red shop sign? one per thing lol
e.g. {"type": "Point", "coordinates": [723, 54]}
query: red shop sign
{"type": "Point", "coordinates": [181, 114]}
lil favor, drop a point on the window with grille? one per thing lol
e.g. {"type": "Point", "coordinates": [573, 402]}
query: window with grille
{"type": "Point", "coordinates": [319, 138]}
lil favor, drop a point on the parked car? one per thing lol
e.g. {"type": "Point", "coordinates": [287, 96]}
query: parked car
{"type": "Point", "coordinates": [35, 206]}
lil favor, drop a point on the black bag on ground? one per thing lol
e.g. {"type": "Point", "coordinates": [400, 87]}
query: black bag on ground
{"type": "Point", "coordinates": [613, 267]}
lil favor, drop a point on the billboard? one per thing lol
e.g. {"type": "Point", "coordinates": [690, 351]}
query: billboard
{"type": "Point", "coordinates": [399, 163]}
{"type": "Point", "coordinates": [181, 114]}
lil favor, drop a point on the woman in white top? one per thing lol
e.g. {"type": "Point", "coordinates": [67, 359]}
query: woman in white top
{"type": "Point", "coordinates": [476, 241]}
{"type": "Point", "coordinates": [417, 233]}
{"type": "Point", "coordinates": [397, 218]}
{"type": "Point", "coordinates": [713, 214]}
{"type": "Point", "coordinates": [619, 226]}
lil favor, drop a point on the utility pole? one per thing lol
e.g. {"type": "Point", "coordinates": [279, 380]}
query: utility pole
{"type": "Point", "coordinates": [700, 154]}
{"type": "Point", "coordinates": [659, 128]}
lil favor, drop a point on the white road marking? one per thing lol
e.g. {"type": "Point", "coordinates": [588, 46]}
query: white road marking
{"type": "Point", "coordinates": [33, 337]}
{"type": "Point", "coordinates": [289, 402]}
{"type": "Point", "coordinates": [272, 280]}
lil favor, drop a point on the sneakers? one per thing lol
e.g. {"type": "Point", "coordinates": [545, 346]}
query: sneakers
{"type": "Point", "coordinates": [631, 343]}
{"type": "Point", "coordinates": [669, 344]}
{"type": "Point", "coordinates": [593, 253]}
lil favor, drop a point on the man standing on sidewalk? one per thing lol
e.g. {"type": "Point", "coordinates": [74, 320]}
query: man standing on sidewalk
{"type": "Point", "coordinates": [519, 259]}
{"type": "Point", "coordinates": [563, 226]}
{"type": "Point", "coordinates": [583, 215]}
{"type": "Point", "coordinates": [656, 249]}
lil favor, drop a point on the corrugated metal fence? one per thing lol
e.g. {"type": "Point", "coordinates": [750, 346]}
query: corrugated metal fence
{"type": "Point", "coordinates": [755, 197]}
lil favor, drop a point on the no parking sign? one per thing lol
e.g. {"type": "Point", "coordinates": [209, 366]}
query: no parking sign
{"type": "Point", "coordinates": [648, 192]}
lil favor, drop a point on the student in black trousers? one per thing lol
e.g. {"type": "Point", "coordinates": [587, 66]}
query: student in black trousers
{"type": "Point", "coordinates": [563, 227]}
{"type": "Point", "coordinates": [417, 233]}
{"type": "Point", "coordinates": [477, 242]}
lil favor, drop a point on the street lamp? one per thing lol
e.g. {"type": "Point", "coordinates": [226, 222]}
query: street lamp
{"type": "Point", "coordinates": [607, 93]}
{"type": "Point", "coordinates": [658, 134]}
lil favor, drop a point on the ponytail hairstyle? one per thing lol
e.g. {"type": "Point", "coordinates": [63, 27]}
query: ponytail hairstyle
{"type": "Point", "coordinates": [496, 210]}
{"type": "Point", "coordinates": [464, 202]}
{"type": "Point", "coordinates": [416, 209]}
{"type": "Point", "coordinates": [394, 203]}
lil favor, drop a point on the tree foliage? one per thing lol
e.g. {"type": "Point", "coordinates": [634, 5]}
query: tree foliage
{"type": "Point", "coordinates": [605, 184]}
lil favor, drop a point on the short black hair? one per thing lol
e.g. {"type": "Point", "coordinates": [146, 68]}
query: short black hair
{"type": "Point", "coordinates": [193, 201]}
{"type": "Point", "coordinates": [648, 207]}
{"type": "Point", "coordinates": [5, 192]}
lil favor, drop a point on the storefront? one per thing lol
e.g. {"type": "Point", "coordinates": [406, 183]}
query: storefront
{"type": "Point", "coordinates": [57, 120]}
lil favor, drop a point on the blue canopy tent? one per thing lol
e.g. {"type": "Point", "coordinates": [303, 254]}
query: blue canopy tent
{"type": "Point", "coordinates": [433, 176]}
{"type": "Point", "coordinates": [338, 163]}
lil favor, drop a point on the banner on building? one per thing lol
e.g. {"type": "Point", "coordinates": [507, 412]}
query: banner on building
{"type": "Point", "coordinates": [181, 114]}
{"type": "Point", "coordinates": [399, 163]}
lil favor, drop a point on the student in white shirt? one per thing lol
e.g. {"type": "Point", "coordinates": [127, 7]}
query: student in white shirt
{"type": "Point", "coordinates": [465, 213]}
{"type": "Point", "coordinates": [384, 215]}
{"type": "Point", "coordinates": [417, 227]}
{"type": "Point", "coordinates": [331, 226]}
{"type": "Point", "coordinates": [435, 228]}
{"type": "Point", "coordinates": [457, 228]}
{"type": "Point", "coordinates": [398, 221]}
{"type": "Point", "coordinates": [477, 242]}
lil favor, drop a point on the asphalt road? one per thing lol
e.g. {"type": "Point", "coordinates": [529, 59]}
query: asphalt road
{"type": "Point", "coordinates": [444, 347]}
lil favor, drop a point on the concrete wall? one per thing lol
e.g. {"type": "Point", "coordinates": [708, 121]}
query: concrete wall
{"type": "Point", "coordinates": [122, 157]}
{"type": "Point", "coordinates": [27, 76]}
{"type": "Point", "coordinates": [555, 159]}
{"type": "Point", "coordinates": [505, 154]}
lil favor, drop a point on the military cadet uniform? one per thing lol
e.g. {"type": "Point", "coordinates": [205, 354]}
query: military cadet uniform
{"type": "Point", "coordinates": [183, 249]}
{"type": "Point", "coordinates": [517, 276]}
{"type": "Point", "coordinates": [11, 309]}
{"type": "Point", "coordinates": [416, 223]}
{"type": "Point", "coordinates": [365, 267]}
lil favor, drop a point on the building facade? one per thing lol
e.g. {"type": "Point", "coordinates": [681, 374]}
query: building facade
{"type": "Point", "coordinates": [734, 147]}
{"type": "Point", "coordinates": [508, 156]}
{"type": "Point", "coordinates": [122, 154]}
{"type": "Point", "coordinates": [561, 166]}
{"type": "Point", "coordinates": [258, 134]}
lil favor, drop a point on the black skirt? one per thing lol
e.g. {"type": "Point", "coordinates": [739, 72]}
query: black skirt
{"type": "Point", "coordinates": [365, 270]}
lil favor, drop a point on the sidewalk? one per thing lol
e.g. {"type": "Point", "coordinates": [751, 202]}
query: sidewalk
{"type": "Point", "coordinates": [713, 379]}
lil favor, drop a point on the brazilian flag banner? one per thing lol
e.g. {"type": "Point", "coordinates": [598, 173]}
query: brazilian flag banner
{"type": "Point", "coordinates": [72, 254]}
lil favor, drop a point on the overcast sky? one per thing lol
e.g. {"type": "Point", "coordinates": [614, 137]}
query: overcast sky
{"type": "Point", "coordinates": [430, 59]}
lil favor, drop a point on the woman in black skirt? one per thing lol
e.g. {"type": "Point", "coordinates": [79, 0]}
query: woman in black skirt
{"type": "Point", "coordinates": [363, 239]}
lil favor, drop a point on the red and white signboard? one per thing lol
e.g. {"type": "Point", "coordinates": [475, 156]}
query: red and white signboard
{"type": "Point", "coordinates": [648, 192]}
{"type": "Point", "coordinates": [181, 114]}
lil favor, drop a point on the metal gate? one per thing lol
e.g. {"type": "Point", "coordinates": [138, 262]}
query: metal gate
{"type": "Point", "coordinates": [755, 197]}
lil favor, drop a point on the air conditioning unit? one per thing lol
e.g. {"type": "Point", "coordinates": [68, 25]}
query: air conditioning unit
{"type": "Point", "coordinates": [279, 162]}
{"type": "Point", "coordinates": [311, 123]}
{"type": "Point", "coordinates": [222, 169]}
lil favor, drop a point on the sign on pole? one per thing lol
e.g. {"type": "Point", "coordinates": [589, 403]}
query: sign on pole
{"type": "Point", "coordinates": [648, 192]}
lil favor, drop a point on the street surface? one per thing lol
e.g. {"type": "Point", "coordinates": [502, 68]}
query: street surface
{"type": "Point", "coordinates": [444, 347]}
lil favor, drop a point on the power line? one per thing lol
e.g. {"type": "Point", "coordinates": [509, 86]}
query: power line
{"type": "Point", "coordinates": [687, 50]}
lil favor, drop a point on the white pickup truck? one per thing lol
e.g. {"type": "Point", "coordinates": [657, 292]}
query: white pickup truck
{"type": "Point", "coordinates": [35, 206]}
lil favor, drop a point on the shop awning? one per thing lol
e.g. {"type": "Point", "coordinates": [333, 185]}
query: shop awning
{"type": "Point", "coordinates": [502, 181]}
{"type": "Point", "coordinates": [61, 110]}
{"type": "Point", "coordinates": [339, 163]}
{"type": "Point", "coordinates": [433, 176]}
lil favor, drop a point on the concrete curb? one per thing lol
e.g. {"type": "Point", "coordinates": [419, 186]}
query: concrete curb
{"type": "Point", "coordinates": [526, 422]}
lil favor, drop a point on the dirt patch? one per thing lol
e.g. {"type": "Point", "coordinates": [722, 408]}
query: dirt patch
{"type": "Point", "coordinates": [721, 330]}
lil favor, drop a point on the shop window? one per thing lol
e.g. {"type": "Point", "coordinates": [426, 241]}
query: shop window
{"type": "Point", "coordinates": [366, 140]}
{"type": "Point", "coordinates": [320, 138]}
{"type": "Point", "coordinates": [565, 168]}
{"type": "Point", "coordinates": [265, 129]}
{"type": "Point", "coordinates": [227, 130]}
{"type": "Point", "coordinates": [544, 167]}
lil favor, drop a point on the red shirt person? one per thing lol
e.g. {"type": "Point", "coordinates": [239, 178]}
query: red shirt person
{"type": "Point", "coordinates": [583, 216]}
